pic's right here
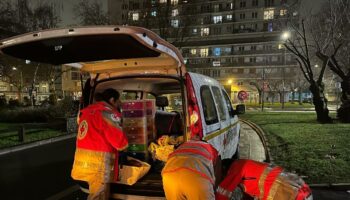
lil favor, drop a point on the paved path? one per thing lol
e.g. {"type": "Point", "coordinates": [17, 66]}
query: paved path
{"type": "Point", "coordinates": [250, 145]}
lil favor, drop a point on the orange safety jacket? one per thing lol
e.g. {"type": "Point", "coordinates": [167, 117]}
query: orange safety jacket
{"type": "Point", "coordinates": [99, 139]}
{"type": "Point", "coordinates": [263, 181]}
{"type": "Point", "coordinates": [196, 156]}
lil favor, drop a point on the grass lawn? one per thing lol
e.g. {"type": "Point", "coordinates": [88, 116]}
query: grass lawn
{"type": "Point", "coordinates": [321, 152]}
{"type": "Point", "coordinates": [10, 138]}
{"type": "Point", "coordinates": [279, 105]}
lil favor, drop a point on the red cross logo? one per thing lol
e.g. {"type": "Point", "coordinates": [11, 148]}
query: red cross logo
{"type": "Point", "coordinates": [83, 128]}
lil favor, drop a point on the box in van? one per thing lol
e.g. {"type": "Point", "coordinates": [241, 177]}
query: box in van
{"type": "Point", "coordinates": [146, 70]}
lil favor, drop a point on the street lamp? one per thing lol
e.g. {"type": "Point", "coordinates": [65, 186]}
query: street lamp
{"type": "Point", "coordinates": [285, 36]}
{"type": "Point", "coordinates": [229, 81]}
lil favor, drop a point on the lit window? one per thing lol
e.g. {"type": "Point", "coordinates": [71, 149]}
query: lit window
{"type": "Point", "coordinates": [135, 16]}
{"type": "Point", "coordinates": [162, 1]}
{"type": "Point", "coordinates": [174, 2]}
{"type": "Point", "coordinates": [229, 17]}
{"type": "Point", "coordinates": [217, 51]}
{"type": "Point", "coordinates": [154, 13]}
{"type": "Point", "coordinates": [194, 31]}
{"type": "Point", "coordinates": [283, 12]}
{"type": "Point", "coordinates": [268, 14]}
{"type": "Point", "coordinates": [204, 31]}
{"type": "Point", "coordinates": [193, 51]}
{"type": "Point", "coordinates": [174, 12]}
{"type": "Point", "coordinates": [217, 19]}
{"type": "Point", "coordinates": [204, 52]}
{"type": "Point", "coordinates": [231, 6]}
{"type": "Point", "coordinates": [175, 23]}
{"type": "Point", "coordinates": [270, 27]}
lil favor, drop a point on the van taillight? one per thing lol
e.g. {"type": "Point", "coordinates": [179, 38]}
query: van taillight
{"type": "Point", "coordinates": [193, 110]}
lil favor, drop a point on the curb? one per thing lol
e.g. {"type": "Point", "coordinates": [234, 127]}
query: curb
{"type": "Point", "coordinates": [262, 137]}
{"type": "Point", "coordinates": [331, 186]}
{"type": "Point", "coordinates": [35, 144]}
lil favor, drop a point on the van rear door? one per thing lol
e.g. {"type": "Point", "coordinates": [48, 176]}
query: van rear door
{"type": "Point", "coordinates": [105, 50]}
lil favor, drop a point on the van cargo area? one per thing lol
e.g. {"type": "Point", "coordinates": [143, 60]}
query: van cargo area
{"type": "Point", "coordinates": [152, 107]}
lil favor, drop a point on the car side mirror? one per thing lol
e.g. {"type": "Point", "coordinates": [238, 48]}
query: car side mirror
{"type": "Point", "coordinates": [240, 109]}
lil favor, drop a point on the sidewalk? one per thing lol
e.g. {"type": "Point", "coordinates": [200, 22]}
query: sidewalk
{"type": "Point", "coordinates": [251, 147]}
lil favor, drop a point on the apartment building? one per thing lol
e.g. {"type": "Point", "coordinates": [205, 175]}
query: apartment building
{"type": "Point", "coordinates": [238, 42]}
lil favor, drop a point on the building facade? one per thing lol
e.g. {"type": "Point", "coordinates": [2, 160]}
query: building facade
{"type": "Point", "coordinates": [238, 42]}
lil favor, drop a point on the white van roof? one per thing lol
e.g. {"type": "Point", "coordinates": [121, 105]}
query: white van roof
{"type": "Point", "coordinates": [107, 50]}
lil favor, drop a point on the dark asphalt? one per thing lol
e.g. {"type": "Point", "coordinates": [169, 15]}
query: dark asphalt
{"type": "Point", "coordinates": [37, 173]}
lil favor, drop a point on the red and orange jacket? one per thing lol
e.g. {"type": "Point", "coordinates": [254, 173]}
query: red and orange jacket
{"type": "Point", "coordinates": [99, 139]}
{"type": "Point", "coordinates": [263, 181]}
{"type": "Point", "coordinates": [196, 156]}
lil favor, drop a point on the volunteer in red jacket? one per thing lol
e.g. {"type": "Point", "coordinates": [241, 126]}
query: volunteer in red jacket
{"type": "Point", "coordinates": [261, 181]}
{"type": "Point", "coordinates": [189, 171]}
{"type": "Point", "coordinates": [99, 139]}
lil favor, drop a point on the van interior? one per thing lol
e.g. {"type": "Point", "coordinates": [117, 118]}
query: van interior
{"type": "Point", "coordinates": [168, 119]}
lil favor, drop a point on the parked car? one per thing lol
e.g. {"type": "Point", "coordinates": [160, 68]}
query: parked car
{"type": "Point", "coordinates": [140, 65]}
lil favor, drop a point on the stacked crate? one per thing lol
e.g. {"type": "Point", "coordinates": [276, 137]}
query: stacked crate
{"type": "Point", "coordinates": [138, 126]}
{"type": "Point", "coordinates": [150, 114]}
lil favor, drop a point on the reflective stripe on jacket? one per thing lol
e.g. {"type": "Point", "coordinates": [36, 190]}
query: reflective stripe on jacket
{"type": "Point", "coordinates": [195, 156]}
{"type": "Point", "coordinates": [98, 139]}
{"type": "Point", "coordinates": [262, 181]}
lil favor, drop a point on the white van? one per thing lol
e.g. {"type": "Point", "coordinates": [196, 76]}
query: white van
{"type": "Point", "coordinates": [141, 66]}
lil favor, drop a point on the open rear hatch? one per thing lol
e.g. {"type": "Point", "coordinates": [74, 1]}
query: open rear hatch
{"type": "Point", "coordinates": [105, 50]}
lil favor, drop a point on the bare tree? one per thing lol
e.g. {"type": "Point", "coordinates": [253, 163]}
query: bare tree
{"type": "Point", "coordinates": [50, 74]}
{"type": "Point", "coordinates": [16, 73]}
{"type": "Point", "coordinates": [90, 12]}
{"type": "Point", "coordinates": [331, 34]}
{"type": "Point", "coordinates": [300, 44]}
{"type": "Point", "coordinates": [20, 18]}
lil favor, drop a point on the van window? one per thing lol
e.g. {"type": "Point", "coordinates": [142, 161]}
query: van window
{"type": "Point", "coordinates": [150, 96]}
{"type": "Point", "coordinates": [209, 110]}
{"type": "Point", "coordinates": [174, 101]}
{"type": "Point", "coordinates": [228, 104]}
{"type": "Point", "coordinates": [220, 103]}
{"type": "Point", "coordinates": [130, 95]}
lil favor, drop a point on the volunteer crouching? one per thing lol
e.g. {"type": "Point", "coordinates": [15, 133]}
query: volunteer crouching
{"type": "Point", "coordinates": [261, 181]}
{"type": "Point", "coordinates": [189, 172]}
{"type": "Point", "coordinates": [99, 139]}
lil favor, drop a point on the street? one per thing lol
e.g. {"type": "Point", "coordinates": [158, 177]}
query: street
{"type": "Point", "coordinates": [37, 173]}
